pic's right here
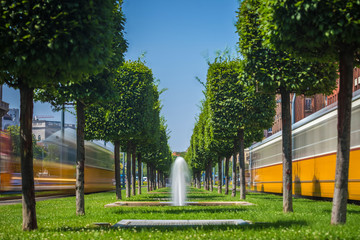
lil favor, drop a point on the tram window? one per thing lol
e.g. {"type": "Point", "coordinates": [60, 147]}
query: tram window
{"type": "Point", "coordinates": [308, 104]}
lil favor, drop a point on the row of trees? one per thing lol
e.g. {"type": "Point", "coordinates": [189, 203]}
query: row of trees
{"type": "Point", "coordinates": [74, 52]}
{"type": "Point", "coordinates": [287, 47]}
{"type": "Point", "coordinates": [233, 115]}
{"type": "Point", "coordinates": [132, 121]}
{"type": "Point", "coordinates": [320, 36]}
{"type": "Point", "coordinates": [278, 71]}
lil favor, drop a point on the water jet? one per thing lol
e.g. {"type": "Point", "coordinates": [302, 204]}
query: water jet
{"type": "Point", "coordinates": [179, 181]}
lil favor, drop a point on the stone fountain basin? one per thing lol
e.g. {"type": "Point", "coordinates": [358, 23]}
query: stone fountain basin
{"type": "Point", "coordinates": [136, 204]}
{"type": "Point", "coordinates": [128, 223]}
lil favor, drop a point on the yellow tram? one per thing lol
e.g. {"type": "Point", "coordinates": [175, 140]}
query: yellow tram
{"type": "Point", "coordinates": [314, 141]}
{"type": "Point", "coordinates": [56, 172]}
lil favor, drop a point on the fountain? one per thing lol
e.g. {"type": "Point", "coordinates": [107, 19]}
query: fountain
{"type": "Point", "coordinates": [179, 181]}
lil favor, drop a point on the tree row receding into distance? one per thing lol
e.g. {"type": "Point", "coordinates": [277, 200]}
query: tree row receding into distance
{"type": "Point", "coordinates": [233, 115]}
{"type": "Point", "coordinates": [73, 53]}
{"type": "Point", "coordinates": [287, 46]}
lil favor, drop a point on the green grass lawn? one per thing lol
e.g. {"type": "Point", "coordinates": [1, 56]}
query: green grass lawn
{"type": "Point", "coordinates": [57, 219]}
{"type": "Point", "coordinates": [18, 195]}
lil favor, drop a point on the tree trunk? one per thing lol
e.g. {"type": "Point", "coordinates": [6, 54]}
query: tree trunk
{"type": "Point", "coordinates": [206, 180]}
{"type": "Point", "coordinates": [158, 179]}
{"type": "Point", "coordinates": [151, 178]}
{"type": "Point", "coordinates": [148, 174]}
{"type": "Point", "coordinates": [154, 178]}
{"type": "Point", "coordinates": [162, 179]}
{"type": "Point", "coordinates": [286, 153]}
{"type": "Point", "coordinates": [139, 174]}
{"type": "Point", "coordinates": [128, 170]}
{"type": "Point", "coordinates": [123, 170]}
{"type": "Point", "coordinates": [27, 169]}
{"type": "Point", "coordinates": [198, 175]}
{"type": "Point", "coordinates": [133, 171]}
{"type": "Point", "coordinates": [117, 169]}
{"type": "Point", "coordinates": [242, 165]}
{"type": "Point", "coordinates": [211, 178]}
{"type": "Point", "coordinates": [338, 215]}
{"type": "Point", "coordinates": [234, 177]}
{"type": "Point", "coordinates": [227, 175]}
{"type": "Point", "coordinates": [220, 175]}
{"type": "Point", "coordinates": [80, 159]}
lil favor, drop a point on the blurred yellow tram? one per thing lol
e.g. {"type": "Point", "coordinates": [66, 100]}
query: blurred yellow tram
{"type": "Point", "coordinates": [57, 171]}
{"type": "Point", "coordinates": [314, 141]}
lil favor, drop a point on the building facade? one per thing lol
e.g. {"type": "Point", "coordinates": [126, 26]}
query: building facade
{"type": "Point", "coordinates": [4, 108]}
{"type": "Point", "coordinates": [11, 118]}
{"type": "Point", "coordinates": [43, 128]}
{"type": "Point", "coordinates": [306, 105]}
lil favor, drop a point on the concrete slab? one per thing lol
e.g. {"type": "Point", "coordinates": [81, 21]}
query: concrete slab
{"type": "Point", "coordinates": [137, 204]}
{"type": "Point", "coordinates": [177, 223]}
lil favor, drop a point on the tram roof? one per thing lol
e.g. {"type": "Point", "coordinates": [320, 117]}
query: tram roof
{"type": "Point", "coordinates": [302, 122]}
{"type": "Point", "coordinates": [70, 136]}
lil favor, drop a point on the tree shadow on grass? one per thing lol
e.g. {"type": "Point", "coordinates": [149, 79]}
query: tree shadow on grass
{"type": "Point", "coordinates": [254, 226]}
{"type": "Point", "coordinates": [163, 197]}
{"type": "Point", "coordinates": [180, 210]}
{"type": "Point", "coordinates": [207, 197]}
{"type": "Point", "coordinates": [328, 211]}
{"type": "Point", "coordinates": [267, 197]}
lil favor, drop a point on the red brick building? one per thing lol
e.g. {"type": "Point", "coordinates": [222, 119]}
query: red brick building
{"type": "Point", "coordinates": [307, 105]}
{"type": "Point", "coordinates": [4, 107]}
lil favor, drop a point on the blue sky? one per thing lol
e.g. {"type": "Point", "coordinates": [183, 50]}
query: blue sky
{"type": "Point", "coordinates": [178, 37]}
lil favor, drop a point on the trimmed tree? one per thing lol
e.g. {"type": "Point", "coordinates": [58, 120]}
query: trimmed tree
{"type": "Point", "coordinates": [152, 142]}
{"type": "Point", "coordinates": [325, 31]}
{"type": "Point", "coordinates": [93, 90]}
{"type": "Point", "coordinates": [279, 72]}
{"type": "Point", "coordinates": [42, 41]}
{"type": "Point", "coordinates": [157, 155]}
{"type": "Point", "coordinates": [240, 114]}
{"type": "Point", "coordinates": [125, 121]}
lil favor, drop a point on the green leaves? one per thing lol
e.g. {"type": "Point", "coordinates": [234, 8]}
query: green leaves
{"type": "Point", "coordinates": [55, 45]}
{"type": "Point", "coordinates": [273, 67]}
{"type": "Point", "coordinates": [133, 113]}
{"type": "Point", "coordinates": [322, 27]}
{"type": "Point", "coordinates": [231, 103]}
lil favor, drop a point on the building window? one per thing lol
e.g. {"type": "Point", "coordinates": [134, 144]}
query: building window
{"type": "Point", "coordinates": [307, 104]}
{"type": "Point", "coordinates": [39, 138]}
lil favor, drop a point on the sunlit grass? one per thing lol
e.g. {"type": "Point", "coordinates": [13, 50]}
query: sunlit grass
{"type": "Point", "coordinates": [57, 219]}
